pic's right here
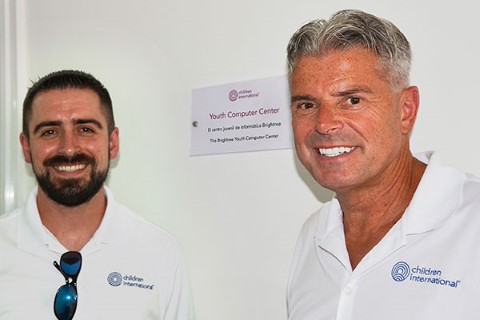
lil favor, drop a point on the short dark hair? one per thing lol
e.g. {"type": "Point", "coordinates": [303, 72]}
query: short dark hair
{"type": "Point", "coordinates": [68, 79]}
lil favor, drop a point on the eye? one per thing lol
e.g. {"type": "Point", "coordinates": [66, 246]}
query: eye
{"type": "Point", "coordinates": [48, 133]}
{"type": "Point", "coordinates": [304, 107]}
{"type": "Point", "coordinates": [354, 100]}
{"type": "Point", "coordinates": [307, 105]}
{"type": "Point", "coordinates": [86, 130]}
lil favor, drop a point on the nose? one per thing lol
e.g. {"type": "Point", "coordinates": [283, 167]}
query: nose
{"type": "Point", "coordinates": [327, 120]}
{"type": "Point", "coordinates": [69, 144]}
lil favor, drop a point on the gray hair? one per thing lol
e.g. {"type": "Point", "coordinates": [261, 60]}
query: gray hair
{"type": "Point", "coordinates": [348, 29]}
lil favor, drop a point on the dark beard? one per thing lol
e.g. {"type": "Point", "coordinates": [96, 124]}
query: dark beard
{"type": "Point", "coordinates": [71, 192]}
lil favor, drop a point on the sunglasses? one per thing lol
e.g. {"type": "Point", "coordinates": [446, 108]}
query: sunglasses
{"type": "Point", "coordinates": [65, 303]}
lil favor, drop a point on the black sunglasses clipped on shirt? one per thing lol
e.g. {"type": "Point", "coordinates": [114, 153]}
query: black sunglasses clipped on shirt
{"type": "Point", "coordinates": [65, 303]}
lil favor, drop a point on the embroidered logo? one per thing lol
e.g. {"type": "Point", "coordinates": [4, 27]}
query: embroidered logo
{"type": "Point", "coordinates": [114, 279]}
{"type": "Point", "coordinates": [401, 271]}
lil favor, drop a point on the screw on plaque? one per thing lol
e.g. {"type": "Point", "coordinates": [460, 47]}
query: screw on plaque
{"type": "Point", "coordinates": [195, 124]}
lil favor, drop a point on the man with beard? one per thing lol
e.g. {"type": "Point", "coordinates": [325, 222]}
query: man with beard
{"type": "Point", "coordinates": [399, 239]}
{"type": "Point", "coordinates": [72, 250]}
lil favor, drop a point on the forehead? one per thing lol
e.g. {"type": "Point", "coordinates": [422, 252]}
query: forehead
{"type": "Point", "coordinates": [356, 66]}
{"type": "Point", "coordinates": [66, 104]}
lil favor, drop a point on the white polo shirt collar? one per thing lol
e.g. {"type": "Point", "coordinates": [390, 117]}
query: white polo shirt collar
{"type": "Point", "coordinates": [32, 234]}
{"type": "Point", "coordinates": [424, 213]}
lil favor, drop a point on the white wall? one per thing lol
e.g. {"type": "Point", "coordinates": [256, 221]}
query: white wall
{"type": "Point", "coordinates": [12, 60]}
{"type": "Point", "coordinates": [237, 216]}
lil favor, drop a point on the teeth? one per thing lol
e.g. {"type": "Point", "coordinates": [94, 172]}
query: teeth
{"type": "Point", "coordinates": [70, 168]}
{"type": "Point", "coordinates": [333, 152]}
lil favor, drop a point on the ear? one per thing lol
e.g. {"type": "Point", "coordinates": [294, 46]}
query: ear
{"type": "Point", "coordinates": [114, 144]}
{"type": "Point", "coordinates": [410, 104]}
{"type": "Point", "coordinates": [25, 148]}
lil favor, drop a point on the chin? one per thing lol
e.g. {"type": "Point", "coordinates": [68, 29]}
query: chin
{"type": "Point", "coordinates": [333, 183]}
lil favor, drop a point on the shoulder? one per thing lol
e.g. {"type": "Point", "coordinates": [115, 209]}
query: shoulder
{"type": "Point", "coordinates": [472, 186]}
{"type": "Point", "coordinates": [8, 221]}
{"type": "Point", "coordinates": [136, 239]}
{"type": "Point", "coordinates": [9, 233]}
{"type": "Point", "coordinates": [132, 226]}
{"type": "Point", "coordinates": [315, 226]}
{"type": "Point", "coordinates": [8, 225]}
{"type": "Point", "coordinates": [142, 230]}
{"type": "Point", "coordinates": [318, 220]}
{"type": "Point", "coordinates": [305, 246]}
{"type": "Point", "coordinates": [470, 193]}
{"type": "Point", "coordinates": [9, 216]}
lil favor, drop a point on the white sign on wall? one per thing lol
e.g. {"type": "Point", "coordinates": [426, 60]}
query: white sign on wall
{"type": "Point", "coordinates": [242, 116]}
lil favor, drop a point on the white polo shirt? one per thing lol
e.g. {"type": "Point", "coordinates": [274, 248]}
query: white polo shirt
{"type": "Point", "coordinates": [426, 267]}
{"type": "Point", "coordinates": [131, 269]}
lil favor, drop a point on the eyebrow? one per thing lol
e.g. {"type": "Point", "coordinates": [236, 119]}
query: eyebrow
{"type": "Point", "coordinates": [301, 97]}
{"type": "Point", "coordinates": [88, 121]}
{"type": "Point", "coordinates": [54, 123]}
{"type": "Point", "coordinates": [343, 93]}
{"type": "Point", "coordinates": [352, 91]}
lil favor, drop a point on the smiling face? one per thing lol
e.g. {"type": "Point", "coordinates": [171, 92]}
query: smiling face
{"type": "Point", "coordinates": [350, 127]}
{"type": "Point", "coordinates": [69, 146]}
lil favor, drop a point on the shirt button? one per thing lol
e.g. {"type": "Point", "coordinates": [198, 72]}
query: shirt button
{"type": "Point", "coordinates": [348, 291]}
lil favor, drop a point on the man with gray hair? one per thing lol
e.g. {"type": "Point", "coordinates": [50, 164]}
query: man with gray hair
{"type": "Point", "coordinates": [399, 238]}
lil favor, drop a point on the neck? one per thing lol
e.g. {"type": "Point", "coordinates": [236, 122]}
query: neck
{"type": "Point", "coordinates": [72, 226]}
{"type": "Point", "coordinates": [369, 213]}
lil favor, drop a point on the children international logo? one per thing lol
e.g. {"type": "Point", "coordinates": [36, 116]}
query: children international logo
{"type": "Point", "coordinates": [400, 271]}
{"type": "Point", "coordinates": [114, 279]}
{"type": "Point", "coordinates": [233, 95]}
